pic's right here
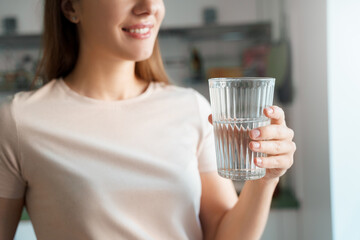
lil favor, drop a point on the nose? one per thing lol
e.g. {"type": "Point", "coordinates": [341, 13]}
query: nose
{"type": "Point", "coordinates": [146, 7]}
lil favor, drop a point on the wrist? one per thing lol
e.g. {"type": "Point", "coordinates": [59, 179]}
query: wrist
{"type": "Point", "coordinates": [267, 181]}
{"type": "Point", "coordinates": [271, 180]}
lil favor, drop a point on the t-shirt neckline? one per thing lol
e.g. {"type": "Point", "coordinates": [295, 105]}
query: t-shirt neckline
{"type": "Point", "coordinates": [94, 101]}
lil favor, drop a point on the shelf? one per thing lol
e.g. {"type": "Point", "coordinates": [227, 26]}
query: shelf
{"type": "Point", "coordinates": [255, 31]}
{"type": "Point", "coordinates": [20, 41]}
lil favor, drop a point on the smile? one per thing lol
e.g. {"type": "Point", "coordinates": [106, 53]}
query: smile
{"type": "Point", "coordinates": [137, 30]}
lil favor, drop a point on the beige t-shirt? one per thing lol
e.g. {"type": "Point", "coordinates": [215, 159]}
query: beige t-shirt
{"type": "Point", "coordinates": [94, 169]}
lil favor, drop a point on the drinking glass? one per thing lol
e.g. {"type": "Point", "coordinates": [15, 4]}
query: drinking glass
{"type": "Point", "coordinates": [237, 106]}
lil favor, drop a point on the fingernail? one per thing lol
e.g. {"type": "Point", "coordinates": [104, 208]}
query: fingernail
{"type": "Point", "coordinates": [255, 133]}
{"type": "Point", "coordinates": [258, 161]}
{"type": "Point", "coordinates": [269, 110]}
{"type": "Point", "coordinates": [256, 145]}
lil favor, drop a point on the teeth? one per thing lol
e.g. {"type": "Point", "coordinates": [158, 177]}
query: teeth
{"type": "Point", "coordinates": [139, 30]}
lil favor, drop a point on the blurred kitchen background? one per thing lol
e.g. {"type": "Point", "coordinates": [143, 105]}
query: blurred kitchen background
{"type": "Point", "coordinates": [310, 46]}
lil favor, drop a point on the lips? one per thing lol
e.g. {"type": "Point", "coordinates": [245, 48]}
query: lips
{"type": "Point", "coordinates": [140, 31]}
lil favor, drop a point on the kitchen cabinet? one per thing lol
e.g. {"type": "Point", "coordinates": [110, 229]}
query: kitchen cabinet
{"type": "Point", "coordinates": [187, 13]}
{"type": "Point", "coordinates": [190, 13]}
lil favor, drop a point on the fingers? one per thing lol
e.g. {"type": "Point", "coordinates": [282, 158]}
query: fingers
{"type": "Point", "coordinates": [273, 147]}
{"type": "Point", "coordinates": [271, 132]}
{"type": "Point", "coordinates": [210, 118]}
{"type": "Point", "coordinates": [276, 114]}
{"type": "Point", "coordinates": [281, 162]}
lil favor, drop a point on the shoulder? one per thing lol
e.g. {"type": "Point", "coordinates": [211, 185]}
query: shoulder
{"type": "Point", "coordinates": [7, 120]}
{"type": "Point", "coordinates": [25, 98]}
{"type": "Point", "coordinates": [187, 101]}
{"type": "Point", "coordinates": [14, 107]}
{"type": "Point", "coordinates": [179, 92]}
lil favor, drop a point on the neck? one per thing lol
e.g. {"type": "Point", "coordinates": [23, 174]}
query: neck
{"type": "Point", "coordinates": [105, 78]}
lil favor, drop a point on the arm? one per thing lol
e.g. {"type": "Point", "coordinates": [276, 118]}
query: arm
{"type": "Point", "coordinates": [252, 210]}
{"type": "Point", "coordinates": [221, 216]}
{"type": "Point", "coordinates": [12, 184]}
{"type": "Point", "coordinates": [10, 213]}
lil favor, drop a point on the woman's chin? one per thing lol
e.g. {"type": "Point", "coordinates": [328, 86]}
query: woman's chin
{"type": "Point", "coordinates": [135, 53]}
{"type": "Point", "coordinates": [140, 57]}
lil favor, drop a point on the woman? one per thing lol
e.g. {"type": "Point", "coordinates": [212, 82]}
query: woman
{"type": "Point", "coordinates": [108, 149]}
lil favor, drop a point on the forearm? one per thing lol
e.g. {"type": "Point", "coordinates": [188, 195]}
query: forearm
{"type": "Point", "coordinates": [10, 213]}
{"type": "Point", "coordinates": [247, 219]}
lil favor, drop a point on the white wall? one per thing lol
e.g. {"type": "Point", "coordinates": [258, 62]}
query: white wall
{"type": "Point", "coordinates": [28, 14]}
{"type": "Point", "coordinates": [344, 114]}
{"type": "Point", "coordinates": [310, 117]}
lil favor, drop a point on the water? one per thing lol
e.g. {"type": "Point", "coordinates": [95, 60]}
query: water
{"type": "Point", "coordinates": [235, 160]}
{"type": "Point", "coordinates": [238, 106]}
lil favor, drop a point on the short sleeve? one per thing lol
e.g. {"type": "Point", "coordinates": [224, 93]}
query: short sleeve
{"type": "Point", "coordinates": [12, 184]}
{"type": "Point", "coordinates": [206, 148]}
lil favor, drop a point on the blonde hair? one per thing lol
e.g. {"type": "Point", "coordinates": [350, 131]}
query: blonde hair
{"type": "Point", "coordinates": [60, 43]}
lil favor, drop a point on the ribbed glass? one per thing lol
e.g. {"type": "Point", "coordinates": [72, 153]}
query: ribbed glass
{"type": "Point", "coordinates": [237, 107]}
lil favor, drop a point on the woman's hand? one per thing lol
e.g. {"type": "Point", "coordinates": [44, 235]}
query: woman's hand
{"type": "Point", "coordinates": [276, 140]}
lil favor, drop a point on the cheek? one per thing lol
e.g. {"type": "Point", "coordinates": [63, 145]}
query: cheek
{"type": "Point", "coordinates": [103, 15]}
{"type": "Point", "coordinates": [101, 28]}
{"type": "Point", "coordinates": [161, 12]}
